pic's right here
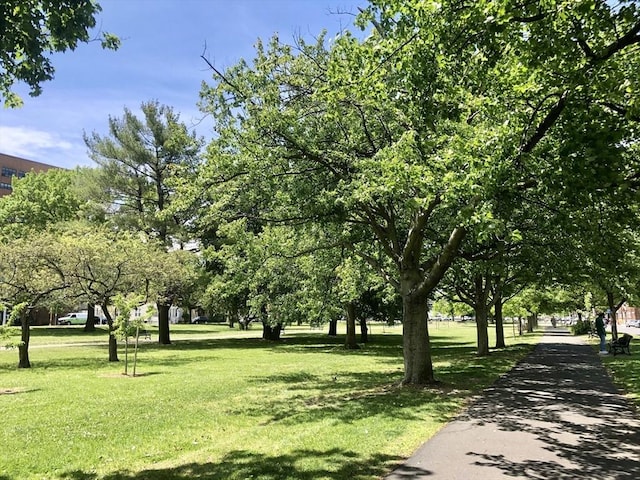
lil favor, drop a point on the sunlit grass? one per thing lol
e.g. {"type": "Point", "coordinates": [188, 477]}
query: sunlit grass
{"type": "Point", "coordinates": [625, 369]}
{"type": "Point", "coordinates": [223, 404]}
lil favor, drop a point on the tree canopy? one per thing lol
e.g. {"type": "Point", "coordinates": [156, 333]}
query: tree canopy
{"type": "Point", "coordinates": [474, 147]}
{"type": "Point", "coordinates": [32, 30]}
{"type": "Point", "coordinates": [430, 129]}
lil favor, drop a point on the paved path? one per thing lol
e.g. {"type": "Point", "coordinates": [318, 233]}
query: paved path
{"type": "Point", "coordinates": [555, 416]}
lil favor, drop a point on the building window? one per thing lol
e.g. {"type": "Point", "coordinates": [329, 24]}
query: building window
{"type": "Point", "coordinates": [8, 172]}
{"type": "Point", "coordinates": [5, 186]}
{"type": "Point", "coordinates": [21, 174]}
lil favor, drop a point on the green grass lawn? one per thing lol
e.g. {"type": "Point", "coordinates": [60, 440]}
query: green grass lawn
{"type": "Point", "coordinates": [625, 369]}
{"type": "Point", "coordinates": [223, 404]}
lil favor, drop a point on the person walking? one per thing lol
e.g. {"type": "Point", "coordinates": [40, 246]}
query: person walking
{"type": "Point", "coordinates": [602, 333]}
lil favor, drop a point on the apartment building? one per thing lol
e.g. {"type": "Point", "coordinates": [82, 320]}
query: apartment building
{"type": "Point", "coordinates": [11, 166]}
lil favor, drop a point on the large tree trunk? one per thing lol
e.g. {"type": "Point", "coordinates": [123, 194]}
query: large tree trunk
{"type": "Point", "coordinates": [23, 348]}
{"type": "Point", "coordinates": [90, 325]}
{"type": "Point", "coordinates": [416, 284]}
{"type": "Point", "coordinates": [531, 321]}
{"type": "Point", "coordinates": [364, 331]}
{"type": "Point", "coordinates": [271, 332]}
{"type": "Point", "coordinates": [163, 324]}
{"type": "Point", "coordinates": [481, 310]}
{"type": "Point", "coordinates": [350, 340]}
{"type": "Point", "coordinates": [418, 369]}
{"type": "Point", "coordinates": [482, 330]}
{"type": "Point", "coordinates": [333, 328]}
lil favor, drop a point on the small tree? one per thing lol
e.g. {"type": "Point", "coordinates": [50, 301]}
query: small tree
{"type": "Point", "coordinates": [127, 327]}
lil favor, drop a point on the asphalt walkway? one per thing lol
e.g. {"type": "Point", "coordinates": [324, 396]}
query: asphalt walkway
{"type": "Point", "coordinates": [555, 416]}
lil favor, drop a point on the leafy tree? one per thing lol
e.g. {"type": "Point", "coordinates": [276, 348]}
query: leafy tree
{"type": "Point", "coordinates": [355, 287]}
{"type": "Point", "coordinates": [126, 327]}
{"type": "Point", "coordinates": [474, 286]}
{"type": "Point", "coordinates": [42, 200]}
{"type": "Point", "coordinates": [408, 138]}
{"type": "Point", "coordinates": [327, 181]}
{"type": "Point", "coordinates": [140, 159]}
{"type": "Point", "coordinates": [39, 200]}
{"type": "Point", "coordinates": [99, 264]}
{"type": "Point", "coordinates": [446, 306]}
{"type": "Point", "coordinates": [29, 278]}
{"type": "Point", "coordinates": [32, 30]}
{"type": "Point", "coordinates": [172, 278]}
{"type": "Point", "coordinates": [610, 257]}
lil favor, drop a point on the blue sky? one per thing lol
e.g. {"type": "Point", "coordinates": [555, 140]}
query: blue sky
{"type": "Point", "coordinates": [159, 59]}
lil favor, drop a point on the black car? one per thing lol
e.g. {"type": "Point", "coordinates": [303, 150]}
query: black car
{"type": "Point", "coordinates": [200, 319]}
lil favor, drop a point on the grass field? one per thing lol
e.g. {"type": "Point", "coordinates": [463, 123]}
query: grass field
{"type": "Point", "coordinates": [223, 404]}
{"type": "Point", "coordinates": [625, 369]}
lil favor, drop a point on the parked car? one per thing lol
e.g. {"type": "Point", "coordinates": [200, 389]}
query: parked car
{"type": "Point", "coordinates": [74, 318]}
{"type": "Point", "coordinates": [200, 319]}
{"type": "Point", "coordinates": [632, 323]}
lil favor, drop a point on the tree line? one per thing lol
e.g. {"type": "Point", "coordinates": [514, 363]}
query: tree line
{"type": "Point", "coordinates": [471, 151]}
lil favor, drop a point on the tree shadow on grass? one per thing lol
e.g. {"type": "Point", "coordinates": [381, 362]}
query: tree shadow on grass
{"type": "Point", "coordinates": [453, 354]}
{"type": "Point", "coordinates": [358, 397]}
{"type": "Point", "coordinates": [243, 464]}
{"type": "Point", "coordinates": [16, 391]}
{"type": "Point", "coordinates": [94, 362]}
{"type": "Point", "coordinates": [351, 396]}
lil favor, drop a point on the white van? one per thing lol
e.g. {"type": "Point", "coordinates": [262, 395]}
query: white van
{"type": "Point", "coordinates": [74, 318]}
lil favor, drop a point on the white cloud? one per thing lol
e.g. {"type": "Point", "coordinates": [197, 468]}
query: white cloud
{"type": "Point", "coordinates": [34, 144]}
{"type": "Point", "coordinates": [22, 141]}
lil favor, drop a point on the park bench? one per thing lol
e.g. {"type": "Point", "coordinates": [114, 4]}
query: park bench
{"type": "Point", "coordinates": [621, 345]}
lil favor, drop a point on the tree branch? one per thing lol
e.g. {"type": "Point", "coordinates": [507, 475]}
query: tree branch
{"type": "Point", "coordinates": [546, 124]}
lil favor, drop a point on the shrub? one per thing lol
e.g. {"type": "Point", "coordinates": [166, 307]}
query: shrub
{"type": "Point", "coordinates": [581, 327]}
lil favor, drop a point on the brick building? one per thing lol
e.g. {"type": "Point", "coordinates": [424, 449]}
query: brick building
{"type": "Point", "coordinates": [11, 166]}
{"type": "Point", "coordinates": [627, 313]}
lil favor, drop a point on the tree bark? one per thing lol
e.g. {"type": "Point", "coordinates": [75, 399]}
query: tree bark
{"type": "Point", "coordinates": [90, 324]}
{"type": "Point", "coordinates": [25, 336]}
{"type": "Point", "coordinates": [418, 368]}
{"type": "Point", "coordinates": [519, 326]}
{"type": "Point", "coordinates": [415, 285]}
{"type": "Point", "coordinates": [163, 324]}
{"type": "Point", "coordinates": [364, 331]}
{"type": "Point", "coordinates": [482, 330]}
{"type": "Point", "coordinates": [481, 310]}
{"type": "Point", "coordinates": [531, 321]}
{"type": "Point", "coordinates": [333, 328]}
{"type": "Point", "coordinates": [113, 342]}
{"type": "Point", "coordinates": [350, 340]}
{"type": "Point", "coordinates": [271, 332]}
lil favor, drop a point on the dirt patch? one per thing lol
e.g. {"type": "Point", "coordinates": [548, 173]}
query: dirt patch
{"type": "Point", "coordinates": [122, 375]}
{"type": "Point", "coordinates": [12, 391]}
